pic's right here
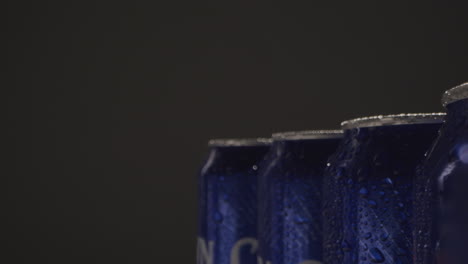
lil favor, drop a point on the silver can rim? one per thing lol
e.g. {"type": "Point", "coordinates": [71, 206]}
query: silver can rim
{"type": "Point", "coordinates": [393, 120]}
{"type": "Point", "coordinates": [307, 134]}
{"type": "Point", "coordinates": [239, 142]}
{"type": "Point", "coordinates": [455, 94]}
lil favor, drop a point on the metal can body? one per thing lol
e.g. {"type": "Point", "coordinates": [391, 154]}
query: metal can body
{"type": "Point", "coordinates": [441, 200]}
{"type": "Point", "coordinates": [290, 229]}
{"type": "Point", "coordinates": [227, 202]}
{"type": "Point", "coordinates": [368, 188]}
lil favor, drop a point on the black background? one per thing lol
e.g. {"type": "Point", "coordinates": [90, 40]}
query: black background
{"type": "Point", "coordinates": [110, 105]}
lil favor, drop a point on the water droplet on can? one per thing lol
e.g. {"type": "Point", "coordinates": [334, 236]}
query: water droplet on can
{"type": "Point", "coordinates": [388, 181]}
{"type": "Point", "coordinates": [372, 203]}
{"type": "Point", "coordinates": [345, 246]}
{"type": "Point", "coordinates": [218, 217]}
{"type": "Point", "coordinates": [376, 255]}
{"type": "Point", "coordinates": [384, 236]}
{"type": "Point", "coordinates": [301, 220]}
{"type": "Point", "coordinates": [363, 191]}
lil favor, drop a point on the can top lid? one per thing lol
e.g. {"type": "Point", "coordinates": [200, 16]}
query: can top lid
{"type": "Point", "coordinates": [239, 142]}
{"type": "Point", "coordinates": [392, 120]}
{"type": "Point", "coordinates": [307, 134]}
{"type": "Point", "coordinates": [457, 93]}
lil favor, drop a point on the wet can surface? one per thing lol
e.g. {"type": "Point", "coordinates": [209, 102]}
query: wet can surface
{"type": "Point", "coordinates": [227, 202]}
{"type": "Point", "coordinates": [441, 200]}
{"type": "Point", "coordinates": [368, 188]}
{"type": "Point", "coordinates": [290, 229]}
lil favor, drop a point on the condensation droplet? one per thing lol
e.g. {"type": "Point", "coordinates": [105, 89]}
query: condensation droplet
{"type": "Point", "coordinates": [218, 217]}
{"type": "Point", "coordinates": [376, 255]}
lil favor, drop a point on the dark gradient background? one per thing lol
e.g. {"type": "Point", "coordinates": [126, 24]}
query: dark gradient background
{"type": "Point", "coordinates": [110, 105]}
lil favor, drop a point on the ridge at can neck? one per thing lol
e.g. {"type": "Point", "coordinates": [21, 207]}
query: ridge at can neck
{"type": "Point", "coordinates": [393, 120]}
{"type": "Point", "coordinates": [456, 121]}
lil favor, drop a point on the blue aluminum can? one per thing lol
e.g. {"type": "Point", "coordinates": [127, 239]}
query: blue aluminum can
{"type": "Point", "coordinates": [441, 204]}
{"type": "Point", "coordinates": [228, 202]}
{"type": "Point", "coordinates": [368, 188]}
{"type": "Point", "coordinates": [290, 226]}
